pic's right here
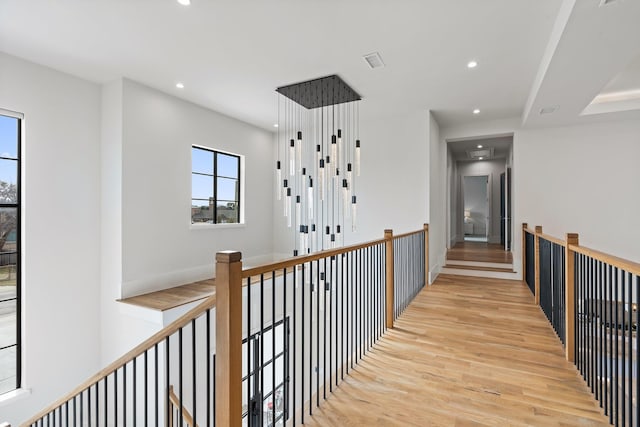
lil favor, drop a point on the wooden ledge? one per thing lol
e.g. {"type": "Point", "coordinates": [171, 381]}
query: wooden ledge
{"type": "Point", "coordinates": [167, 299]}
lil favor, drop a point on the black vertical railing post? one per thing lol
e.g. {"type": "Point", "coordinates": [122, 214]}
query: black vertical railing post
{"type": "Point", "coordinates": [389, 293]}
{"type": "Point", "coordinates": [537, 258]}
{"type": "Point", "coordinates": [426, 254]}
{"type": "Point", "coordinates": [228, 370]}
{"type": "Point", "coordinates": [570, 299]}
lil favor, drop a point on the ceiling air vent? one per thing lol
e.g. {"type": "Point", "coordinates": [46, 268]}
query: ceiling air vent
{"type": "Point", "coordinates": [548, 110]}
{"type": "Point", "coordinates": [476, 154]}
{"type": "Point", "coordinates": [374, 60]}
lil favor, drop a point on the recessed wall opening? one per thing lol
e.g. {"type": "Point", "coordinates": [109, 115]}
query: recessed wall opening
{"type": "Point", "coordinates": [480, 194]}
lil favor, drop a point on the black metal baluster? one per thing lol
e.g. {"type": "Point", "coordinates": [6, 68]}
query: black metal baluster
{"type": "Point", "coordinates": [320, 276]}
{"type": "Point", "coordinates": [598, 332]}
{"type": "Point", "coordinates": [124, 396]}
{"type": "Point", "coordinates": [88, 406]}
{"type": "Point", "coordinates": [214, 389]}
{"type": "Point", "coordinates": [261, 393]}
{"type": "Point", "coordinates": [157, 398]}
{"type": "Point", "coordinates": [362, 318]}
{"type": "Point", "coordinates": [106, 402]}
{"type": "Point", "coordinates": [623, 389]}
{"type": "Point", "coordinates": [194, 396]}
{"type": "Point", "coordinates": [604, 322]}
{"type": "Point", "coordinates": [115, 398]}
{"type": "Point", "coordinates": [207, 353]}
{"type": "Point", "coordinates": [295, 347]}
{"type": "Point", "coordinates": [612, 307]}
{"type": "Point", "coordinates": [249, 354]}
{"type": "Point", "coordinates": [273, 347]}
{"type": "Point", "coordinates": [324, 331]}
{"type": "Point", "coordinates": [331, 282]}
{"type": "Point", "coordinates": [167, 377]}
{"type": "Point", "coordinates": [311, 291]}
{"type": "Point", "coordinates": [180, 382]}
{"type": "Point", "coordinates": [352, 288]}
{"type": "Point", "coordinates": [617, 390]}
{"type": "Point", "coordinates": [285, 340]}
{"type": "Point", "coordinates": [637, 376]}
{"type": "Point", "coordinates": [342, 316]}
{"type": "Point", "coordinates": [629, 284]}
{"type": "Point", "coordinates": [302, 354]}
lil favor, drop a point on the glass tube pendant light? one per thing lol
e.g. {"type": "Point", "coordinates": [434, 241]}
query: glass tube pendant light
{"type": "Point", "coordinates": [318, 138]}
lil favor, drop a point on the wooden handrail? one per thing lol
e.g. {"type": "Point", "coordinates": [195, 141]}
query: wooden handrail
{"type": "Point", "coordinates": [292, 262]}
{"type": "Point", "coordinates": [553, 239]}
{"type": "Point", "coordinates": [624, 264]}
{"type": "Point", "coordinates": [410, 233]}
{"type": "Point", "coordinates": [175, 402]}
{"type": "Point", "coordinates": [138, 350]}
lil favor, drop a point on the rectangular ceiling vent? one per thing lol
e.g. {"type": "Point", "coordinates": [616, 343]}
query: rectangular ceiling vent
{"type": "Point", "coordinates": [476, 154]}
{"type": "Point", "coordinates": [374, 60]}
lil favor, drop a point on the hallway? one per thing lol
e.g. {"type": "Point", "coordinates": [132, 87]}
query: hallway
{"type": "Point", "coordinates": [467, 351]}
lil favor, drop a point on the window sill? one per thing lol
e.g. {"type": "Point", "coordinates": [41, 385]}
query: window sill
{"type": "Point", "coordinates": [216, 226]}
{"type": "Point", "coordinates": [12, 396]}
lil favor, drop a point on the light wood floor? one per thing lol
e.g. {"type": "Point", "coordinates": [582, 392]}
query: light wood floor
{"type": "Point", "coordinates": [478, 251]}
{"type": "Point", "coordinates": [467, 351]}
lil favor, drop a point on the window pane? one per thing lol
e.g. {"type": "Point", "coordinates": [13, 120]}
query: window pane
{"type": "Point", "coordinates": [8, 137]}
{"type": "Point", "coordinates": [8, 181]}
{"type": "Point", "coordinates": [7, 320]}
{"type": "Point", "coordinates": [8, 223]}
{"type": "Point", "coordinates": [228, 189]}
{"type": "Point", "coordinates": [8, 357]}
{"type": "Point", "coordinates": [201, 187]}
{"type": "Point", "coordinates": [227, 166]}
{"type": "Point", "coordinates": [201, 211]}
{"type": "Point", "coordinates": [227, 212]}
{"type": "Point", "coordinates": [202, 161]}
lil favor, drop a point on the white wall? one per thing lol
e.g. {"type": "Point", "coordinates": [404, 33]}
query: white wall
{"type": "Point", "coordinates": [160, 247]}
{"type": "Point", "coordinates": [581, 179]}
{"type": "Point", "coordinates": [438, 199]}
{"type": "Point", "coordinates": [492, 169]}
{"type": "Point", "coordinates": [61, 254]}
{"type": "Point", "coordinates": [148, 240]}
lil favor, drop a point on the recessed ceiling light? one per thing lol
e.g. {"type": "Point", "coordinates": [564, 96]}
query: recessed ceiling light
{"type": "Point", "coordinates": [180, 85]}
{"type": "Point", "coordinates": [472, 64]}
{"type": "Point", "coordinates": [476, 111]}
{"type": "Point", "coordinates": [480, 158]}
{"type": "Point", "coordinates": [479, 146]}
{"type": "Point", "coordinates": [275, 125]}
{"type": "Point", "coordinates": [184, 2]}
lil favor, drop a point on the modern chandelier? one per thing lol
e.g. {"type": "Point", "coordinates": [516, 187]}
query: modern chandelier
{"type": "Point", "coordinates": [318, 161]}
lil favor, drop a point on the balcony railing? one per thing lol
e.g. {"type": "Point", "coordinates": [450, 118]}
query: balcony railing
{"type": "Point", "coordinates": [591, 299]}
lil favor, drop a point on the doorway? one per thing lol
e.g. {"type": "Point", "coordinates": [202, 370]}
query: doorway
{"type": "Point", "coordinates": [480, 229]}
{"type": "Point", "coordinates": [476, 208]}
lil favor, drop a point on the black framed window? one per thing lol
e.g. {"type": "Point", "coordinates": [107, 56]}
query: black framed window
{"type": "Point", "coordinates": [10, 346]}
{"type": "Point", "coordinates": [215, 187]}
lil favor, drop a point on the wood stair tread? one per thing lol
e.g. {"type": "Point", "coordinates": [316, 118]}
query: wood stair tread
{"type": "Point", "coordinates": [479, 268]}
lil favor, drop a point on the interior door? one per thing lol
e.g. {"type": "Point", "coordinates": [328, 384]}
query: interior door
{"type": "Point", "coordinates": [508, 209]}
{"type": "Point", "coordinates": [503, 216]}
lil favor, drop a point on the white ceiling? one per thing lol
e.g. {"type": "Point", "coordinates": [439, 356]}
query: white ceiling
{"type": "Point", "coordinates": [231, 55]}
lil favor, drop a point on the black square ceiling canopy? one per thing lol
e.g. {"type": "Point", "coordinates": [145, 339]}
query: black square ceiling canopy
{"type": "Point", "coordinates": [322, 92]}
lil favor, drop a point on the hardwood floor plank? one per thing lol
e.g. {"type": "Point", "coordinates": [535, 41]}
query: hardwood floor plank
{"type": "Point", "coordinates": [478, 251]}
{"type": "Point", "coordinates": [467, 352]}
